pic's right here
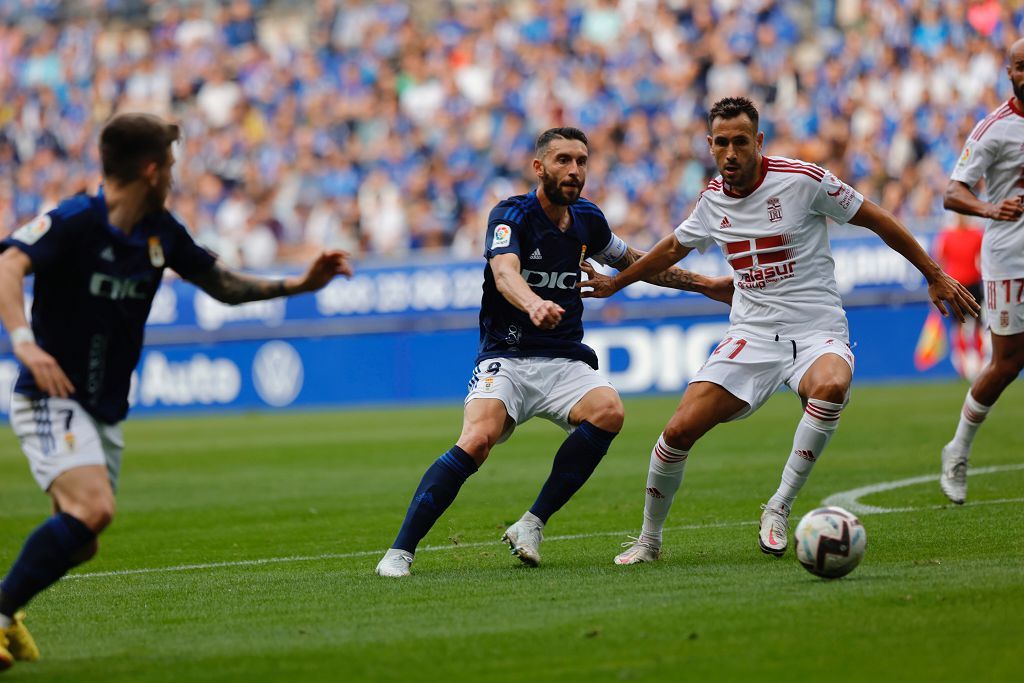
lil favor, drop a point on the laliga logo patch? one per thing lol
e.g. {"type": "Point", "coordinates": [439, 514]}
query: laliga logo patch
{"type": "Point", "coordinates": [502, 236]}
{"type": "Point", "coordinates": [156, 253]}
{"type": "Point", "coordinates": [33, 230]}
{"type": "Point", "coordinates": [487, 385]}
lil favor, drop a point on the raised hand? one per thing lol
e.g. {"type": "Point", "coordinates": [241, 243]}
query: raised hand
{"type": "Point", "coordinates": [324, 269]}
{"type": "Point", "coordinates": [949, 296]}
{"type": "Point", "coordinates": [600, 286]}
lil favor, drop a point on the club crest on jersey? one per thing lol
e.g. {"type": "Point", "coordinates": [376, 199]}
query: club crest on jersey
{"type": "Point", "coordinates": [774, 209]}
{"type": "Point", "coordinates": [33, 230]}
{"type": "Point", "coordinates": [583, 254]}
{"type": "Point", "coordinates": [502, 236]}
{"type": "Point", "coordinates": [156, 252]}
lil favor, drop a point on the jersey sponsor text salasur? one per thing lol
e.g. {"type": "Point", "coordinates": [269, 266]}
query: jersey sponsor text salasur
{"type": "Point", "coordinates": [776, 240]}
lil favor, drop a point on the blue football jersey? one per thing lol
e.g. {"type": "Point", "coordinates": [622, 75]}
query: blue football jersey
{"type": "Point", "coordinates": [550, 261]}
{"type": "Point", "coordinates": [94, 286]}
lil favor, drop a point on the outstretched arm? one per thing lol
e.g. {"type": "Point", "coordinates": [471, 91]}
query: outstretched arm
{"type": "Point", "coordinates": [233, 287]}
{"type": "Point", "coordinates": [507, 278]}
{"type": "Point", "coordinates": [961, 199]}
{"type": "Point", "coordinates": [664, 254]}
{"type": "Point", "coordinates": [14, 266]}
{"type": "Point", "coordinates": [948, 295]}
{"type": "Point", "coordinates": [717, 288]}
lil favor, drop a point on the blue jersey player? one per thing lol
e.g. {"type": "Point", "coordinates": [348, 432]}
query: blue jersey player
{"type": "Point", "coordinates": [532, 360]}
{"type": "Point", "coordinates": [98, 261]}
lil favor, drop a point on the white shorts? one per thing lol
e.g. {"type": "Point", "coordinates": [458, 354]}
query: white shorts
{"type": "Point", "coordinates": [752, 369]}
{"type": "Point", "coordinates": [535, 387]}
{"type": "Point", "coordinates": [57, 435]}
{"type": "Point", "coordinates": [1004, 304]}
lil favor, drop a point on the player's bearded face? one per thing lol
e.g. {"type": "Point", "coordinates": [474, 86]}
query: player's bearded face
{"type": "Point", "coordinates": [736, 146]}
{"type": "Point", "coordinates": [561, 189]}
{"type": "Point", "coordinates": [562, 171]}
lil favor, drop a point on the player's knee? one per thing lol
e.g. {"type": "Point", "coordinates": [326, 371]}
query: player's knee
{"type": "Point", "coordinates": [831, 389]}
{"type": "Point", "coordinates": [98, 513]}
{"type": "Point", "coordinates": [681, 435]}
{"type": "Point", "coordinates": [476, 446]}
{"type": "Point", "coordinates": [609, 416]}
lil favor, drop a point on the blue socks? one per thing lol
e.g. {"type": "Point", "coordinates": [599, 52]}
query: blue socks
{"type": "Point", "coordinates": [48, 554]}
{"type": "Point", "coordinates": [574, 463]}
{"type": "Point", "coordinates": [438, 488]}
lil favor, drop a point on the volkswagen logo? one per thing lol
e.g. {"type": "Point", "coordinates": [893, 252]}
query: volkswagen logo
{"type": "Point", "coordinates": [277, 373]}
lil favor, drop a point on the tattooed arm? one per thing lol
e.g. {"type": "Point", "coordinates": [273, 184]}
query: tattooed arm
{"type": "Point", "coordinates": [717, 288]}
{"type": "Point", "coordinates": [233, 287]}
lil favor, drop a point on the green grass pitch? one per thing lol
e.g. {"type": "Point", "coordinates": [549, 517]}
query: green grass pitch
{"type": "Point", "coordinates": [297, 507]}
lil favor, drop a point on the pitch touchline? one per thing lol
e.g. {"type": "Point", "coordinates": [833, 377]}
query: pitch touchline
{"type": "Point", "coordinates": [566, 537]}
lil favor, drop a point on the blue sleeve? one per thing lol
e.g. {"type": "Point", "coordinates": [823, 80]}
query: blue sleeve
{"type": "Point", "coordinates": [46, 239]}
{"type": "Point", "coordinates": [503, 228]}
{"type": "Point", "coordinates": [186, 258]}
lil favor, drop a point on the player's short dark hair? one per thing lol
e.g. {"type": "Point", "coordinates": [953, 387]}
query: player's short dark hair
{"type": "Point", "coordinates": [130, 141]}
{"type": "Point", "coordinates": [566, 133]}
{"type": "Point", "coordinates": [730, 108]}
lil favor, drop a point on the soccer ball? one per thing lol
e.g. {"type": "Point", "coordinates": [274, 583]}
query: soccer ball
{"type": "Point", "coordinates": [830, 542]}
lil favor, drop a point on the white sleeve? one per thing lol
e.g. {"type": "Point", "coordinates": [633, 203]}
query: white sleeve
{"type": "Point", "coordinates": [613, 251]}
{"type": "Point", "coordinates": [835, 199]}
{"type": "Point", "coordinates": [693, 233]}
{"type": "Point", "coordinates": [975, 159]}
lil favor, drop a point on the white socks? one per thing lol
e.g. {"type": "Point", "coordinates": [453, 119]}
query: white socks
{"type": "Point", "coordinates": [971, 417]}
{"type": "Point", "coordinates": [664, 477]}
{"type": "Point", "coordinates": [813, 433]}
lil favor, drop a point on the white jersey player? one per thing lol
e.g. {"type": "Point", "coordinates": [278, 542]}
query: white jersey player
{"type": "Point", "coordinates": [787, 326]}
{"type": "Point", "coordinates": [994, 151]}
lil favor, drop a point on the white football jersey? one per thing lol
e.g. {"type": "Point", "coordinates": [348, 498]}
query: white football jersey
{"type": "Point", "coordinates": [776, 240]}
{"type": "Point", "coordinates": [995, 150]}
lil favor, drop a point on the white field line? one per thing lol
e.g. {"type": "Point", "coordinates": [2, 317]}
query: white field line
{"type": "Point", "coordinates": [850, 500]}
{"type": "Point", "coordinates": [367, 553]}
{"type": "Point", "coordinates": [849, 504]}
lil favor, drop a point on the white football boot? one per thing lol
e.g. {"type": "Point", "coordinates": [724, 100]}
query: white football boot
{"type": "Point", "coordinates": [395, 563]}
{"type": "Point", "coordinates": [954, 474]}
{"type": "Point", "coordinates": [773, 536]}
{"type": "Point", "coordinates": [524, 539]}
{"type": "Point", "coordinates": [638, 550]}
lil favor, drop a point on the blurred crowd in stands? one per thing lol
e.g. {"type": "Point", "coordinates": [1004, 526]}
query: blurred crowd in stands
{"type": "Point", "coordinates": [388, 127]}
